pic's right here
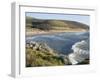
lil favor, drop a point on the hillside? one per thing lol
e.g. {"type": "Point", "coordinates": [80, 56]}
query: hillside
{"type": "Point", "coordinates": [54, 24]}
{"type": "Point", "coordinates": [40, 54]}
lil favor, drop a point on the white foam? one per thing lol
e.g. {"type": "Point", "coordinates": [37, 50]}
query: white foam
{"type": "Point", "coordinates": [80, 52]}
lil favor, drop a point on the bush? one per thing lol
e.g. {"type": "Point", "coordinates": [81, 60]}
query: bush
{"type": "Point", "coordinates": [37, 58]}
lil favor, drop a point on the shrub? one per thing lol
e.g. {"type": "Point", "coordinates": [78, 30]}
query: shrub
{"type": "Point", "coordinates": [37, 58]}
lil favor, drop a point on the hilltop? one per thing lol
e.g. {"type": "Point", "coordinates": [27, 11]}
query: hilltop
{"type": "Point", "coordinates": [46, 25]}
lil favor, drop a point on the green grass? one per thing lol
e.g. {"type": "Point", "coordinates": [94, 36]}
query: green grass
{"type": "Point", "coordinates": [38, 58]}
{"type": "Point", "coordinates": [53, 24]}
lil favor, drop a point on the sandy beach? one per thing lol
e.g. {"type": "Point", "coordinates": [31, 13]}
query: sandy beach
{"type": "Point", "coordinates": [31, 32]}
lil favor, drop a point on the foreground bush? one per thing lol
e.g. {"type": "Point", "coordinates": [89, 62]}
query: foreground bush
{"type": "Point", "coordinates": [38, 58]}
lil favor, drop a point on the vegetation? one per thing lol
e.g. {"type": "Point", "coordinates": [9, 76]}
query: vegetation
{"type": "Point", "coordinates": [38, 58]}
{"type": "Point", "coordinates": [54, 24]}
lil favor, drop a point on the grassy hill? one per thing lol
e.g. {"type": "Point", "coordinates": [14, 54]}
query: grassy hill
{"type": "Point", "coordinates": [42, 55]}
{"type": "Point", "coordinates": [36, 58]}
{"type": "Point", "coordinates": [54, 24]}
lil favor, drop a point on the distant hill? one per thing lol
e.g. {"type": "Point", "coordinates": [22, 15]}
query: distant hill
{"type": "Point", "coordinates": [52, 24]}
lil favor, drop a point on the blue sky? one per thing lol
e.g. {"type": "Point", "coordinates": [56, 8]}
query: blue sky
{"type": "Point", "coordinates": [79, 18]}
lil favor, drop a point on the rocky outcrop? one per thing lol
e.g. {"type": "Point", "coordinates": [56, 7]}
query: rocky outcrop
{"type": "Point", "coordinates": [39, 46]}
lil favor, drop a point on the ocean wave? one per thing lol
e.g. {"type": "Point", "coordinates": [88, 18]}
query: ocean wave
{"type": "Point", "coordinates": [80, 52]}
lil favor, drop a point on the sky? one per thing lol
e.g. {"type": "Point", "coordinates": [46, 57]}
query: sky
{"type": "Point", "coordinates": [85, 19]}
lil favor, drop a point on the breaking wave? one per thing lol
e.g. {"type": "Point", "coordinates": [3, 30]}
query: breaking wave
{"type": "Point", "coordinates": [80, 52]}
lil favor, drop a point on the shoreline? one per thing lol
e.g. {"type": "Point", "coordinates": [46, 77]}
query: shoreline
{"type": "Point", "coordinates": [33, 33]}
